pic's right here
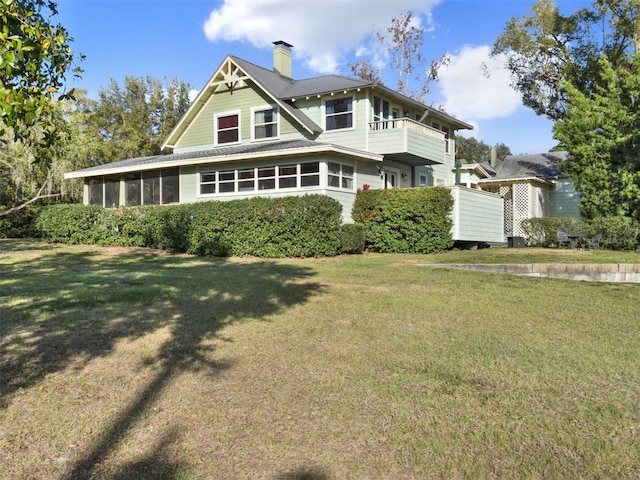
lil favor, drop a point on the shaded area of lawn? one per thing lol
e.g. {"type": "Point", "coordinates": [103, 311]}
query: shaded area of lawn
{"type": "Point", "coordinates": [353, 367]}
{"type": "Point", "coordinates": [65, 307]}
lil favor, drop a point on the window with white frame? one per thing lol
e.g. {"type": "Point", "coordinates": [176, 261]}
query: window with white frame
{"type": "Point", "coordinates": [260, 178]}
{"type": "Point", "coordinates": [339, 113]}
{"type": "Point", "coordinates": [265, 123]}
{"type": "Point", "coordinates": [227, 128]}
{"type": "Point", "coordinates": [340, 176]}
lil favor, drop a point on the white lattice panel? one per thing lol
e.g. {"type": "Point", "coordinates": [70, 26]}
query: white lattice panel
{"type": "Point", "coordinates": [520, 207]}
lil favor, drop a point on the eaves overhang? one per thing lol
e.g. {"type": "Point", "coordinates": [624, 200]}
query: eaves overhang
{"type": "Point", "coordinates": [209, 156]}
{"type": "Point", "coordinates": [511, 181]}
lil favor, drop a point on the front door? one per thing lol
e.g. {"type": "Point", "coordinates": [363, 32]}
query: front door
{"type": "Point", "coordinates": [391, 178]}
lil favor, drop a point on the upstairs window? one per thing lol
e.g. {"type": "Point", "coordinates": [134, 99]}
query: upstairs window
{"type": "Point", "coordinates": [339, 113]}
{"type": "Point", "coordinates": [227, 128]}
{"type": "Point", "coordinates": [265, 123]}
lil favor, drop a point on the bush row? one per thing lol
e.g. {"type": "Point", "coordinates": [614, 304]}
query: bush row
{"type": "Point", "coordinates": [414, 220]}
{"type": "Point", "coordinates": [302, 226]}
{"type": "Point", "coordinates": [619, 233]}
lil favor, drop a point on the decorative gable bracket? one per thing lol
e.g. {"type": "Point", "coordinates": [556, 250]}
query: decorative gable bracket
{"type": "Point", "coordinates": [229, 76]}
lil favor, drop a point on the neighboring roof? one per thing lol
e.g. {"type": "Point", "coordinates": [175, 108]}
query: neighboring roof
{"type": "Point", "coordinates": [233, 153]}
{"type": "Point", "coordinates": [284, 91]}
{"type": "Point", "coordinates": [541, 166]}
{"type": "Point", "coordinates": [489, 169]}
{"type": "Point", "coordinates": [477, 168]}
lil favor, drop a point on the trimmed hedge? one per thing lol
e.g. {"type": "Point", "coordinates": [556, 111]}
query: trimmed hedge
{"type": "Point", "coordinates": [303, 226]}
{"type": "Point", "coordinates": [619, 233]}
{"type": "Point", "coordinates": [405, 221]}
{"type": "Point", "coordinates": [352, 238]}
{"type": "Point", "coordinates": [20, 223]}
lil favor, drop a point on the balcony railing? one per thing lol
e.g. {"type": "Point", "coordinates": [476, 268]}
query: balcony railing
{"type": "Point", "coordinates": [406, 136]}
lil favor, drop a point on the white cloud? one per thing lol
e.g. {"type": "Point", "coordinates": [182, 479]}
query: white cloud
{"type": "Point", "coordinates": [323, 32]}
{"type": "Point", "coordinates": [469, 93]}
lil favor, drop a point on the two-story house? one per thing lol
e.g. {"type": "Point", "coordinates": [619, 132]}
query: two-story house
{"type": "Point", "coordinates": [256, 131]}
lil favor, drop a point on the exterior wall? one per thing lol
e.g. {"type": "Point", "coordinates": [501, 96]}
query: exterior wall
{"type": "Point", "coordinates": [199, 135]}
{"type": "Point", "coordinates": [477, 216]}
{"type": "Point", "coordinates": [437, 175]}
{"type": "Point", "coordinates": [364, 173]}
{"type": "Point", "coordinates": [538, 201]}
{"type": "Point", "coordinates": [355, 137]}
{"type": "Point", "coordinates": [564, 199]}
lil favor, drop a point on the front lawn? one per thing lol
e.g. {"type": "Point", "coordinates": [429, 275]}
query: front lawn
{"type": "Point", "coordinates": [119, 363]}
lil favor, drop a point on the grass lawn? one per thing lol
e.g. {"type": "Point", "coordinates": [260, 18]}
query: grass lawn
{"type": "Point", "coordinates": [128, 364]}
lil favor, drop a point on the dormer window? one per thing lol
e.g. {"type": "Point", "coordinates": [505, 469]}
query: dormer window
{"type": "Point", "coordinates": [227, 128]}
{"type": "Point", "coordinates": [265, 123]}
{"type": "Point", "coordinates": [339, 113]}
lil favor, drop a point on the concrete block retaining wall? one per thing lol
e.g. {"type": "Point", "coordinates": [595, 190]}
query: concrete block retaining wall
{"type": "Point", "coordinates": [594, 272]}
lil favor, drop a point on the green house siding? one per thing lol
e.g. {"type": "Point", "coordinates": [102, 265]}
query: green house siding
{"type": "Point", "coordinates": [353, 137]}
{"type": "Point", "coordinates": [200, 133]}
{"type": "Point", "coordinates": [363, 172]}
{"type": "Point", "coordinates": [564, 199]}
{"type": "Point", "coordinates": [478, 216]}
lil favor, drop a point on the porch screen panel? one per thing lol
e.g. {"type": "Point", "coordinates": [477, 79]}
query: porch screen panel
{"type": "Point", "coordinates": [111, 192]}
{"type": "Point", "coordinates": [133, 189]}
{"type": "Point", "coordinates": [151, 188]}
{"type": "Point", "coordinates": [96, 192]}
{"type": "Point", "coordinates": [170, 185]}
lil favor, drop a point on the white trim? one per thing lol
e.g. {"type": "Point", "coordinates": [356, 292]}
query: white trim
{"type": "Point", "coordinates": [340, 176]}
{"type": "Point", "coordinates": [393, 171]}
{"type": "Point", "coordinates": [231, 113]}
{"type": "Point", "coordinates": [255, 178]}
{"type": "Point", "coordinates": [263, 108]}
{"type": "Point", "coordinates": [322, 148]}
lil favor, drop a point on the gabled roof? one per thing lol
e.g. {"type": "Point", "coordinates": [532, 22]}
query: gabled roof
{"type": "Point", "coordinates": [226, 154]}
{"type": "Point", "coordinates": [477, 168]}
{"type": "Point", "coordinates": [540, 166]}
{"type": "Point", "coordinates": [284, 91]}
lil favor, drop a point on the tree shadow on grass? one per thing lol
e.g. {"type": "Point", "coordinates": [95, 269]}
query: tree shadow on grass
{"type": "Point", "coordinates": [68, 308]}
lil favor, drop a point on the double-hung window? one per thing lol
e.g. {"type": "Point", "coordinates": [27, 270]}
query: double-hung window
{"type": "Point", "coordinates": [265, 123]}
{"type": "Point", "coordinates": [340, 176]}
{"type": "Point", "coordinates": [339, 113]}
{"type": "Point", "coordinates": [227, 128]}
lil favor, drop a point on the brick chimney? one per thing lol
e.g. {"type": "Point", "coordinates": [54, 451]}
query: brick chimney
{"type": "Point", "coordinates": [282, 58]}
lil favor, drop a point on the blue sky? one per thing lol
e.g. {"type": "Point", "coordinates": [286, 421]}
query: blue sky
{"type": "Point", "coordinates": [187, 39]}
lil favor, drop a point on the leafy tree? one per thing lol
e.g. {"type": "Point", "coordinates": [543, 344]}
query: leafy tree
{"type": "Point", "coordinates": [545, 49]}
{"type": "Point", "coordinates": [133, 120]}
{"type": "Point", "coordinates": [35, 55]}
{"type": "Point", "coordinates": [403, 41]}
{"type": "Point", "coordinates": [473, 150]}
{"type": "Point", "coordinates": [602, 133]}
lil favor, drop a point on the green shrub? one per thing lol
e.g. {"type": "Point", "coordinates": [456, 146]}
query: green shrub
{"type": "Point", "coordinates": [542, 232]}
{"type": "Point", "coordinates": [291, 226]}
{"type": "Point", "coordinates": [20, 223]}
{"type": "Point", "coordinates": [72, 224]}
{"type": "Point", "coordinates": [405, 221]}
{"type": "Point", "coordinates": [619, 233]}
{"type": "Point", "coordinates": [352, 238]}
